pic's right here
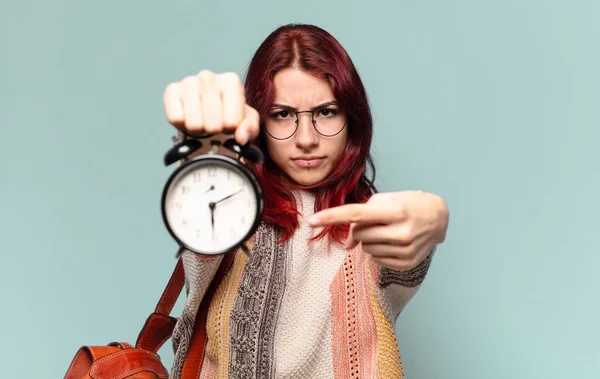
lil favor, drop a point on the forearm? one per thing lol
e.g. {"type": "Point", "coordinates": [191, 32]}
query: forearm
{"type": "Point", "coordinates": [395, 288]}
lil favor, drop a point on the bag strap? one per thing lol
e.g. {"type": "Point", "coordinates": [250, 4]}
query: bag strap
{"type": "Point", "coordinates": [171, 293]}
{"type": "Point", "coordinates": [159, 325]}
{"type": "Point", "coordinates": [195, 355]}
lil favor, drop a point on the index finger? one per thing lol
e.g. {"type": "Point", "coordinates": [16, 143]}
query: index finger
{"type": "Point", "coordinates": [349, 214]}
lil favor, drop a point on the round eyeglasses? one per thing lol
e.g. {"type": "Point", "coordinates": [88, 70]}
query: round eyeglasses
{"type": "Point", "coordinates": [282, 121]}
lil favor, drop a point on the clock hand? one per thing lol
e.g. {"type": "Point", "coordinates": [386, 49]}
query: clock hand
{"type": "Point", "coordinates": [210, 189]}
{"type": "Point", "coordinates": [227, 197]}
{"type": "Point", "coordinates": [212, 205]}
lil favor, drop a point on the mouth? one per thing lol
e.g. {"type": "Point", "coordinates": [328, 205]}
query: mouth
{"type": "Point", "coordinates": [308, 161]}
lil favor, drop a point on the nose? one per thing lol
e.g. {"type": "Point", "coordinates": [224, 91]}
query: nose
{"type": "Point", "coordinates": [307, 137]}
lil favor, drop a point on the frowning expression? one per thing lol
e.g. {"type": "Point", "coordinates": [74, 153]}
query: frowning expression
{"type": "Point", "coordinates": [306, 128]}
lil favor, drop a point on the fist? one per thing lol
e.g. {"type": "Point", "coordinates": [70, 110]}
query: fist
{"type": "Point", "coordinates": [211, 103]}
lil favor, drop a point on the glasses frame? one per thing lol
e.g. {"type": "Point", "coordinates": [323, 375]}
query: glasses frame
{"type": "Point", "coordinates": [312, 118]}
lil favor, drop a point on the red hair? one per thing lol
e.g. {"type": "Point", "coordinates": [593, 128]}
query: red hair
{"type": "Point", "coordinates": [315, 51]}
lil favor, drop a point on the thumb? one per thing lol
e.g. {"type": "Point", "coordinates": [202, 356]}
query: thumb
{"type": "Point", "coordinates": [350, 241]}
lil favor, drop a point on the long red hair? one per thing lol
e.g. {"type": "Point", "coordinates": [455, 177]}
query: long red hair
{"type": "Point", "coordinates": [315, 51]}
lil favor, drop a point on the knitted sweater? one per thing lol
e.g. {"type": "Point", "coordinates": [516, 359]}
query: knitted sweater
{"type": "Point", "coordinates": [297, 309]}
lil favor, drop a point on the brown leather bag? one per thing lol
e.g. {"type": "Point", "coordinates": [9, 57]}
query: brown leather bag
{"type": "Point", "coordinates": [120, 360]}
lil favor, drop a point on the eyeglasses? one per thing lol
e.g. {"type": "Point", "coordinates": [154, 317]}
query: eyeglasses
{"type": "Point", "coordinates": [328, 120]}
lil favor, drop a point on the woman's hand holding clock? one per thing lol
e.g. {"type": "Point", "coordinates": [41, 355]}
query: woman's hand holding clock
{"type": "Point", "coordinates": [211, 103]}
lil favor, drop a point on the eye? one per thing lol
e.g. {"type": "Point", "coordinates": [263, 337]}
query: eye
{"type": "Point", "coordinates": [326, 112]}
{"type": "Point", "coordinates": [280, 115]}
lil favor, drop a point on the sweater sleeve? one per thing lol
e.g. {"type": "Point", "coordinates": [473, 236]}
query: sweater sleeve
{"type": "Point", "coordinates": [395, 288]}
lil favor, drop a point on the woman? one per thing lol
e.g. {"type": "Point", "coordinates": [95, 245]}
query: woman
{"type": "Point", "coordinates": [333, 263]}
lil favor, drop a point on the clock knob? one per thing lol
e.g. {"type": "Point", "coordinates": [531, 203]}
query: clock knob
{"type": "Point", "coordinates": [181, 150]}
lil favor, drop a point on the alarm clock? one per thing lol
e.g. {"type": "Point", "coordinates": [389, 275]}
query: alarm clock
{"type": "Point", "coordinates": [212, 203]}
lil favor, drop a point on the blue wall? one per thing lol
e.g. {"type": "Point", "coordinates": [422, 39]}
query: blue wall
{"type": "Point", "coordinates": [493, 105]}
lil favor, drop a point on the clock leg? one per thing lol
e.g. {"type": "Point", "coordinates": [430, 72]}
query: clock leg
{"type": "Point", "coordinates": [245, 248]}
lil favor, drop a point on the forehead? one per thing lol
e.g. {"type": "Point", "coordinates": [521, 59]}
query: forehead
{"type": "Point", "coordinates": [300, 89]}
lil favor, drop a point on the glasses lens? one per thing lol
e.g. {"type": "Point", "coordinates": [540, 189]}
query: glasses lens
{"type": "Point", "coordinates": [329, 120]}
{"type": "Point", "coordinates": [281, 124]}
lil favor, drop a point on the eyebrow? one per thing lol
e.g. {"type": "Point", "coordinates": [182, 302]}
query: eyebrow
{"type": "Point", "coordinates": [332, 102]}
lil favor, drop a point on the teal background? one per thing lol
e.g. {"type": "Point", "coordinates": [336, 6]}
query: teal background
{"type": "Point", "coordinates": [491, 104]}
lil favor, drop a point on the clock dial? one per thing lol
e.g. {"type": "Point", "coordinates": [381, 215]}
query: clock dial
{"type": "Point", "coordinates": [210, 206]}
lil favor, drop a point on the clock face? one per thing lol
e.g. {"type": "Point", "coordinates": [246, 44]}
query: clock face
{"type": "Point", "coordinates": [210, 206]}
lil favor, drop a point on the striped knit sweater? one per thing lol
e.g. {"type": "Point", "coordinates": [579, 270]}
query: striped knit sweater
{"type": "Point", "coordinates": [297, 309]}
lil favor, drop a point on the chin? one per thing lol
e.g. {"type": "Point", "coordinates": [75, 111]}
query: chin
{"type": "Point", "coordinates": [307, 179]}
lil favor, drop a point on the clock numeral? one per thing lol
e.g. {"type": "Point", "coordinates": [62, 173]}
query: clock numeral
{"type": "Point", "coordinates": [197, 176]}
{"type": "Point", "coordinates": [212, 172]}
{"type": "Point", "coordinates": [177, 205]}
{"type": "Point", "coordinates": [233, 233]}
{"type": "Point", "coordinates": [214, 237]}
{"type": "Point", "coordinates": [184, 222]}
{"type": "Point", "coordinates": [185, 190]}
{"type": "Point", "coordinates": [228, 174]}
{"type": "Point", "coordinates": [243, 220]}
{"type": "Point", "coordinates": [198, 233]}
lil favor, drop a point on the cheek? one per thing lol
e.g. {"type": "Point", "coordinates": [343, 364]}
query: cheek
{"type": "Point", "coordinates": [339, 147]}
{"type": "Point", "coordinates": [277, 151]}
